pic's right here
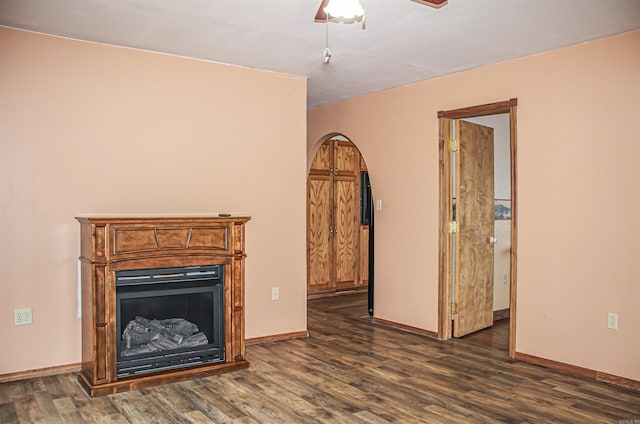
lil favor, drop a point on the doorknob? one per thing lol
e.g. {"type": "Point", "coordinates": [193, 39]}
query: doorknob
{"type": "Point", "coordinates": [493, 240]}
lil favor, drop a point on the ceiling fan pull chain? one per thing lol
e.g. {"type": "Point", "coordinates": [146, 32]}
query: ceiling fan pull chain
{"type": "Point", "coordinates": [326, 55]}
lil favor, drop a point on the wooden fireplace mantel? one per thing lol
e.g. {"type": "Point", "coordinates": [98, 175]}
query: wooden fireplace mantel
{"type": "Point", "coordinates": [114, 243]}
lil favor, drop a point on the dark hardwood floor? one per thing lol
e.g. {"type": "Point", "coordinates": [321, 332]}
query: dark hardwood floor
{"type": "Point", "coordinates": [496, 337]}
{"type": "Point", "coordinates": [347, 371]}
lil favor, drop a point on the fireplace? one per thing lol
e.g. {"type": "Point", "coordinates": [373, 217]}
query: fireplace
{"type": "Point", "coordinates": [167, 318]}
{"type": "Point", "coordinates": [162, 300]}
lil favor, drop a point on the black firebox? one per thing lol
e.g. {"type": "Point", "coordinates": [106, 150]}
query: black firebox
{"type": "Point", "coordinates": [169, 318]}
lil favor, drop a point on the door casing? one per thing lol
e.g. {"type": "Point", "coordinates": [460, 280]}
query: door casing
{"type": "Point", "coordinates": [444, 283]}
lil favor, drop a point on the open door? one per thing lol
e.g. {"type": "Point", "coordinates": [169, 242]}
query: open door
{"type": "Point", "coordinates": [474, 244]}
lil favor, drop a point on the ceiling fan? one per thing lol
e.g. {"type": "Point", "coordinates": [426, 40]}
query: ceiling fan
{"type": "Point", "coordinates": [350, 11]}
{"type": "Point", "coordinates": [321, 16]}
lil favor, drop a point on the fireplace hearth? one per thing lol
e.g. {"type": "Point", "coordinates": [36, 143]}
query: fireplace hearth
{"type": "Point", "coordinates": [162, 300]}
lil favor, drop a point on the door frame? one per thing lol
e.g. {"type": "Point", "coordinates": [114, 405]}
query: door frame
{"type": "Point", "coordinates": [444, 278]}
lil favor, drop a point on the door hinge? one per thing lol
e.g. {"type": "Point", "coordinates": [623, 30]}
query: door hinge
{"type": "Point", "coordinates": [330, 231]}
{"type": "Point", "coordinates": [453, 227]}
{"type": "Point", "coordinates": [454, 308]}
{"type": "Point", "coordinates": [454, 145]}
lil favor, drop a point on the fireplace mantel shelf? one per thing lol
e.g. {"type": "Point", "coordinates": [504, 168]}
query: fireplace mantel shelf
{"type": "Point", "coordinates": [156, 217]}
{"type": "Point", "coordinates": [113, 243]}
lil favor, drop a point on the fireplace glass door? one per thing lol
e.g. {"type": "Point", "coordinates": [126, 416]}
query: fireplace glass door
{"type": "Point", "coordinates": [169, 318]}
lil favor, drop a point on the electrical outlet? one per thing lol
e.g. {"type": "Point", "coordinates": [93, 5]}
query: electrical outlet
{"type": "Point", "coordinates": [275, 293]}
{"type": "Point", "coordinates": [612, 320]}
{"type": "Point", "coordinates": [22, 316]}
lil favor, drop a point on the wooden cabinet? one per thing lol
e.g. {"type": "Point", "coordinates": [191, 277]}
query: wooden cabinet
{"type": "Point", "coordinates": [337, 245]}
{"type": "Point", "coordinates": [112, 244]}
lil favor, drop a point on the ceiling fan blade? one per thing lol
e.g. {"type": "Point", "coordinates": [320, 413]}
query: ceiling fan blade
{"type": "Point", "coordinates": [433, 3]}
{"type": "Point", "coordinates": [321, 16]}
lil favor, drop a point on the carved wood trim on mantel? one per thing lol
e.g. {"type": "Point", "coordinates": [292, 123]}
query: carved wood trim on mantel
{"type": "Point", "coordinates": [110, 244]}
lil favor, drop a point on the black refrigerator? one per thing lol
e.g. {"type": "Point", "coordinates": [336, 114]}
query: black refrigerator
{"type": "Point", "coordinates": [366, 218]}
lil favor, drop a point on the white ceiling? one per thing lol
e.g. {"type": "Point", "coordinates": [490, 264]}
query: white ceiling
{"type": "Point", "coordinates": [404, 41]}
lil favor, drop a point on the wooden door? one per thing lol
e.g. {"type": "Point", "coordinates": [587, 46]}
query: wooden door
{"type": "Point", "coordinates": [475, 216]}
{"type": "Point", "coordinates": [333, 214]}
{"type": "Point", "coordinates": [346, 194]}
{"type": "Point", "coordinates": [320, 267]}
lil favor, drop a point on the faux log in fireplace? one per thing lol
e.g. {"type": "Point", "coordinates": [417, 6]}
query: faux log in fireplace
{"type": "Point", "coordinates": [162, 300]}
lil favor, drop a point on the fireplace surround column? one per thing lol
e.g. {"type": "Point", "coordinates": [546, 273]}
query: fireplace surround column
{"type": "Point", "coordinates": [124, 243]}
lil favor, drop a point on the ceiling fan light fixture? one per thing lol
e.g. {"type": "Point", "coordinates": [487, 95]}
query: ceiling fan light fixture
{"type": "Point", "coordinates": [347, 11]}
{"type": "Point", "coordinates": [432, 3]}
{"type": "Point", "coordinates": [343, 11]}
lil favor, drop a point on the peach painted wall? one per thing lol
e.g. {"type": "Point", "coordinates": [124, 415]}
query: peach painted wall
{"type": "Point", "coordinates": [579, 208]}
{"type": "Point", "coordinates": [89, 128]}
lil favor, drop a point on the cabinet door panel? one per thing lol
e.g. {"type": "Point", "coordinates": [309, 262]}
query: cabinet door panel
{"type": "Point", "coordinates": [318, 239]}
{"type": "Point", "coordinates": [322, 160]}
{"type": "Point", "coordinates": [345, 158]}
{"type": "Point", "coordinates": [346, 232]}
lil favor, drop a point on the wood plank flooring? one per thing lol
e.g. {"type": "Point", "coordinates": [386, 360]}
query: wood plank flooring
{"type": "Point", "coordinates": [347, 371]}
{"type": "Point", "coordinates": [496, 337]}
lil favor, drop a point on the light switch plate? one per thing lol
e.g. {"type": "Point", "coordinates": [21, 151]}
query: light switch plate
{"type": "Point", "coordinates": [612, 320]}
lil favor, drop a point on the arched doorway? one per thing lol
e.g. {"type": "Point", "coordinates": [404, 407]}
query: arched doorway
{"type": "Point", "coordinates": [339, 220]}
